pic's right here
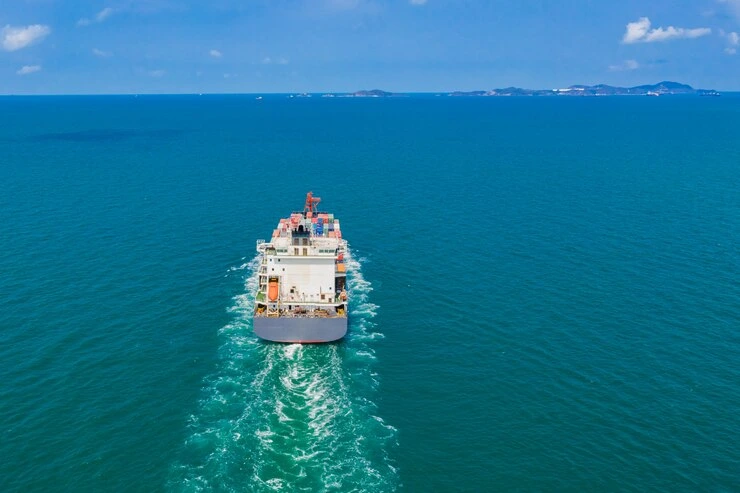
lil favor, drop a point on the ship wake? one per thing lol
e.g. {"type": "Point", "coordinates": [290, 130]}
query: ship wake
{"type": "Point", "coordinates": [294, 417]}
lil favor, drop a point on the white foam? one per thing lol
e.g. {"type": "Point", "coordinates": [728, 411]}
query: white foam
{"type": "Point", "coordinates": [241, 267]}
{"type": "Point", "coordinates": [290, 350]}
{"type": "Point", "coordinates": [276, 483]}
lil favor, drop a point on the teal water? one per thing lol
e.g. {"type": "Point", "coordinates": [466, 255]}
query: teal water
{"type": "Point", "coordinates": [545, 295]}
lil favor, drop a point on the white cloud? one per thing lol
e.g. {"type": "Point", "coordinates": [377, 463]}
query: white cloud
{"type": "Point", "coordinates": [215, 54]}
{"type": "Point", "coordinates": [99, 17]}
{"type": "Point", "coordinates": [733, 41]}
{"type": "Point", "coordinates": [640, 32]}
{"type": "Point", "coordinates": [625, 66]}
{"type": "Point", "coordinates": [101, 53]}
{"type": "Point", "coordinates": [28, 69]}
{"type": "Point", "coordinates": [417, 2]}
{"type": "Point", "coordinates": [104, 14]}
{"type": "Point", "coordinates": [156, 73]}
{"type": "Point", "coordinates": [15, 38]}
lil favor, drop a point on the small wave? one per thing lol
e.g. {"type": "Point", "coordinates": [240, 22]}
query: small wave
{"type": "Point", "coordinates": [237, 268]}
{"type": "Point", "coordinates": [290, 417]}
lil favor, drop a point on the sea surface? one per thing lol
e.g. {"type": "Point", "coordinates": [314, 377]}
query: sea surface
{"type": "Point", "coordinates": [545, 295]}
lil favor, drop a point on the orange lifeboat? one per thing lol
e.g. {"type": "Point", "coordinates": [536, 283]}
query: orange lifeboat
{"type": "Point", "coordinates": [272, 290]}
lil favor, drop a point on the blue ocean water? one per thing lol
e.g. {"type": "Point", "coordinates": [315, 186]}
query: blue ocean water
{"type": "Point", "coordinates": [545, 294]}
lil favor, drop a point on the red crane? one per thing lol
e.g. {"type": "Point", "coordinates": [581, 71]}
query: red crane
{"type": "Point", "coordinates": [311, 202]}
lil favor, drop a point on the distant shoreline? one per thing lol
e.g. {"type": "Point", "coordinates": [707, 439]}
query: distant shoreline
{"type": "Point", "coordinates": [659, 89]}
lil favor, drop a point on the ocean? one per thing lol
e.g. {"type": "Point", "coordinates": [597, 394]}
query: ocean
{"type": "Point", "coordinates": [544, 294]}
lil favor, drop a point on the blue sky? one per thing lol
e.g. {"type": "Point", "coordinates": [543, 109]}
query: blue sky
{"type": "Point", "coordinates": [185, 46]}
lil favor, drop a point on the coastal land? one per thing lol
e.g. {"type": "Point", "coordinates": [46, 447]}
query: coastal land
{"type": "Point", "coordinates": [660, 89]}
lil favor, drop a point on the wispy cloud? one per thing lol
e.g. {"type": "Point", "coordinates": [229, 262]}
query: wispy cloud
{"type": "Point", "coordinates": [156, 73]}
{"type": "Point", "coordinates": [277, 61]}
{"type": "Point", "coordinates": [640, 32]}
{"type": "Point", "coordinates": [15, 38]}
{"type": "Point", "coordinates": [28, 69]}
{"type": "Point", "coordinates": [417, 2]}
{"type": "Point", "coordinates": [359, 7]}
{"type": "Point", "coordinates": [625, 66]}
{"type": "Point", "coordinates": [732, 5]}
{"type": "Point", "coordinates": [101, 53]}
{"type": "Point", "coordinates": [342, 4]}
{"type": "Point", "coordinates": [215, 54]}
{"type": "Point", "coordinates": [97, 18]}
{"type": "Point", "coordinates": [733, 41]}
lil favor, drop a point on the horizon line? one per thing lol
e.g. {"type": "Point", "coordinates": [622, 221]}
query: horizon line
{"type": "Point", "coordinates": [300, 93]}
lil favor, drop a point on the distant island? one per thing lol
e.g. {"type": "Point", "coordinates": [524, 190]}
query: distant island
{"type": "Point", "coordinates": [659, 89]}
{"type": "Point", "coordinates": [374, 93]}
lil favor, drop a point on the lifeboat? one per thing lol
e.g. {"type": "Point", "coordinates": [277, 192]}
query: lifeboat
{"type": "Point", "coordinates": [272, 290]}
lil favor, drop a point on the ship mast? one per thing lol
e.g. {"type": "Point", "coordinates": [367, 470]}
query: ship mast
{"type": "Point", "coordinates": [311, 203]}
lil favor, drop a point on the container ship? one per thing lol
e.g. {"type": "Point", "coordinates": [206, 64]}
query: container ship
{"type": "Point", "coordinates": [302, 293]}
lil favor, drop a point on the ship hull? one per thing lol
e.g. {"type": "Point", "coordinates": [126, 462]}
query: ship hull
{"type": "Point", "coordinates": [300, 329]}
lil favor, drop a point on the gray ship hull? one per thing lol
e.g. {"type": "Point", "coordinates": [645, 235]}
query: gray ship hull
{"type": "Point", "coordinates": [300, 329]}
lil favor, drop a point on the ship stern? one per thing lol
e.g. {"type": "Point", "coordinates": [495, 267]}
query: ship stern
{"type": "Point", "coordinates": [303, 330]}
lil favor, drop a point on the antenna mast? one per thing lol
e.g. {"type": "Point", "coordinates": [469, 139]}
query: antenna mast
{"type": "Point", "coordinates": [311, 203]}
